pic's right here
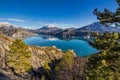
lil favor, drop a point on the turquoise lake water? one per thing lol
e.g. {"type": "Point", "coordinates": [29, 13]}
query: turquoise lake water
{"type": "Point", "coordinates": [78, 44]}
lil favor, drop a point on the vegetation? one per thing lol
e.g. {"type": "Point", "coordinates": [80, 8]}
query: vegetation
{"type": "Point", "coordinates": [70, 68]}
{"type": "Point", "coordinates": [105, 64]}
{"type": "Point", "coordinates": [67, 68]}
{"type": "Point", "coordinates": [55, 69]}
{"type": "Point", "coordinates": [18, 57]}
{"type": "Point", "coordinates": [65, 65]}
{"type": "Point", "coordinates": [108, 17]}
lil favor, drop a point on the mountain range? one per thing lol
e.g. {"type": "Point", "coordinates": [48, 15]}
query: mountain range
{"type": "Point", "coordinates": [47, 62]}
{"type": "Point", "coordinates": [14, 31]}
{"type": "Point", "coordinates": [82, 31]}
{"type": "Point", "coordinates": [18, 32]}
{"type": "Point", "coordinates": [39, 57]}
{"type": "Point", "coordinates": [100, 28]}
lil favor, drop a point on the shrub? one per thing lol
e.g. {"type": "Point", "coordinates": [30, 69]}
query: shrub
{"type": "Point", "coordinates": [18, 57]}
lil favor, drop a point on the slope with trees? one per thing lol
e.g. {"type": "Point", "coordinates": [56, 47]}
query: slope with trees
{"type": "Point", "coordinates": [106, 64]}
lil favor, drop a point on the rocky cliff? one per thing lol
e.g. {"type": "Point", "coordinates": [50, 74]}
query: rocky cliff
{"type": "Point", "coordinates": [39, 57]}
{"type": "Point", "coordinates": [96, 27]}
{"type": "Point", "coordinates": [42, 55]}
{"type": "Point", "coordinates": [4, 42]}
{"type": "Point", "coordinates": [14, 31]}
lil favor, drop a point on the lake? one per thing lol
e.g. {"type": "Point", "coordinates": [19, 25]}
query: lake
{"type": "Point", "coordinates": [80, 45]}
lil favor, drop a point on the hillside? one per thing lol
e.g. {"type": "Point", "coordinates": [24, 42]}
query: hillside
{"type": "Point", "coordinates": [50, 63]}
{"type": "Point", "coordinates": [98, 27]}
{"type": "Point", "coordinates": [18, 32]}
{"type": "Point", "coordinates": [14, 31]}
{"type": "Point", "coordinates": [4, 42]}
{"type": "Point", "coordinates": [86, 30]}
{"type": "Point", "coordinates": [40, 56]}
{"type": "Point", "coordinates": [50, 30]}
{"type": "Point", "coordinates": [82, 31]}
{"type": "Point", "coordinates": [105, 64]}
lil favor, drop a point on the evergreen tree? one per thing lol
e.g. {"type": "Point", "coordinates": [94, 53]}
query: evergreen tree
{"type": "Point", "coordinates": [105, 64]}
{"type": "Point", "coordinates": [109, 17]}
{"type": "Point", "coordinates": [64, 68]}
{"type": "Point", "coordinates": [18, 57]}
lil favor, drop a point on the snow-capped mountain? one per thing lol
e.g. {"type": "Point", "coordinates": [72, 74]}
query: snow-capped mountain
{"type": "Point", "coordinates": [13, 30]}
{"type": "Point", "coordinates": [82, 31]}
{"type": "Point", "coordinates": [6, 24]}
{"type": "Point", "coordinates": [100, 28]}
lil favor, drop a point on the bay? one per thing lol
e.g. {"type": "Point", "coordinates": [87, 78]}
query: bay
{"type": "Point", "coordinates": [80, 45]}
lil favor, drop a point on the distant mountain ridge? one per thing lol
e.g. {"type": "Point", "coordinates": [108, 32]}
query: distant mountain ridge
{"type": "Point", "coordinates": [39, 57]}
{"type": "Point", "coordinates": [6, 24]}
{"type": "Point", "coordinates": [14, 31]}
{"type": "Point", "coordinates": [48, 27]}
{"type": "Point", "coordinates": [100, 28]}
{"type": "Point", "coordinates": [83, 31]}
{"type": "Point", "coordinates": [47, 30]}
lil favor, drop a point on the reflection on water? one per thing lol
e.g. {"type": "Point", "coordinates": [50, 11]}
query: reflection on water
{"type": "Point", "coordinates": [48, 37]}
{"type": "Point", "coordinates": [52, 39]}
{"type": "Point", "coordinates": [65, 38]}
{"type": "Point", "coordinates": [78, 44]}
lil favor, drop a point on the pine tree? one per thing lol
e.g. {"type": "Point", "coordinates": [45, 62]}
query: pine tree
{"type": "Point", "coordinates": [105, 65]}
{"type": "Point", "coordinates": [18, 57]}
{"type": "Point", "coordinates": [109, 17]}
{"type": "Point", "coordinates": [64, 68]}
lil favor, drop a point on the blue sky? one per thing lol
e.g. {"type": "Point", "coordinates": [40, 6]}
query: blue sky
{"type": "Point", "coordinates": [63, 13]}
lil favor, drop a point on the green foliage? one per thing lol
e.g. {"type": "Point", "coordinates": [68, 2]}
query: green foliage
{"type": "Point", "coordinates": [46, 66]}
{"type": "Point", "coordinates": [45, 71]}
{"type": "Point", "coordinates": [18, 57]}
{"type": "Point", "coordinates": [106, 41]}
{"type": "Point", "coordinates": [65, 67]}
{"type": "Point", "coordinates": [104, 67]}
{"type": "Point", "coordinates": [108, 16]}
{"type": "Point", "coordinates": [106, 64]}
{"type": "Point", "coordinates": [66, 61]}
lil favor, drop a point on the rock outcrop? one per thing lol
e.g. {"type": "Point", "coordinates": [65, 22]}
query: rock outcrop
{"type": "Point", "coordinates": [39, 57]}
{"type": "Point", "coordinates": [96, 27]}
{"type": "Point", "coordinates": [14, 31]}
{"type": "Point", "coordinates": [42, 55]}
{"type": "Point", "coordinates": [49, 30]}
{"type": "Point", "coordinates": [4, 42]}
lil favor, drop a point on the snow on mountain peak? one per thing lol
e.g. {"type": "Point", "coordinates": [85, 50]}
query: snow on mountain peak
{"type": "Point", "coordinates": [51, 25]}
{"type": "Point", "coordinates": [6, 24]}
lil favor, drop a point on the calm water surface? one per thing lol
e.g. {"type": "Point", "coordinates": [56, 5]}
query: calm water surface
{"type": "Point", "coordinates": [79, 45]}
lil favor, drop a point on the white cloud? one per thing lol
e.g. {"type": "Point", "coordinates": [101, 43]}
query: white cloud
{"type": "Point", "coordinates": [16, 20]}
{"type": "Point", "coordinates": [12, 19]}
{"type": "Point", "coordinates": [39, 22]}
{"type": "Point", "coordinates": [42, 23]}
{"type": "Point", "coordinates": [7, 24]}
{"type": "Point", "coordinates": [61, 25]}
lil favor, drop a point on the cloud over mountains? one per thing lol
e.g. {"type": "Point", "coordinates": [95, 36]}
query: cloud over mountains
{"type": "Point", "coordinates": [13, 19]}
